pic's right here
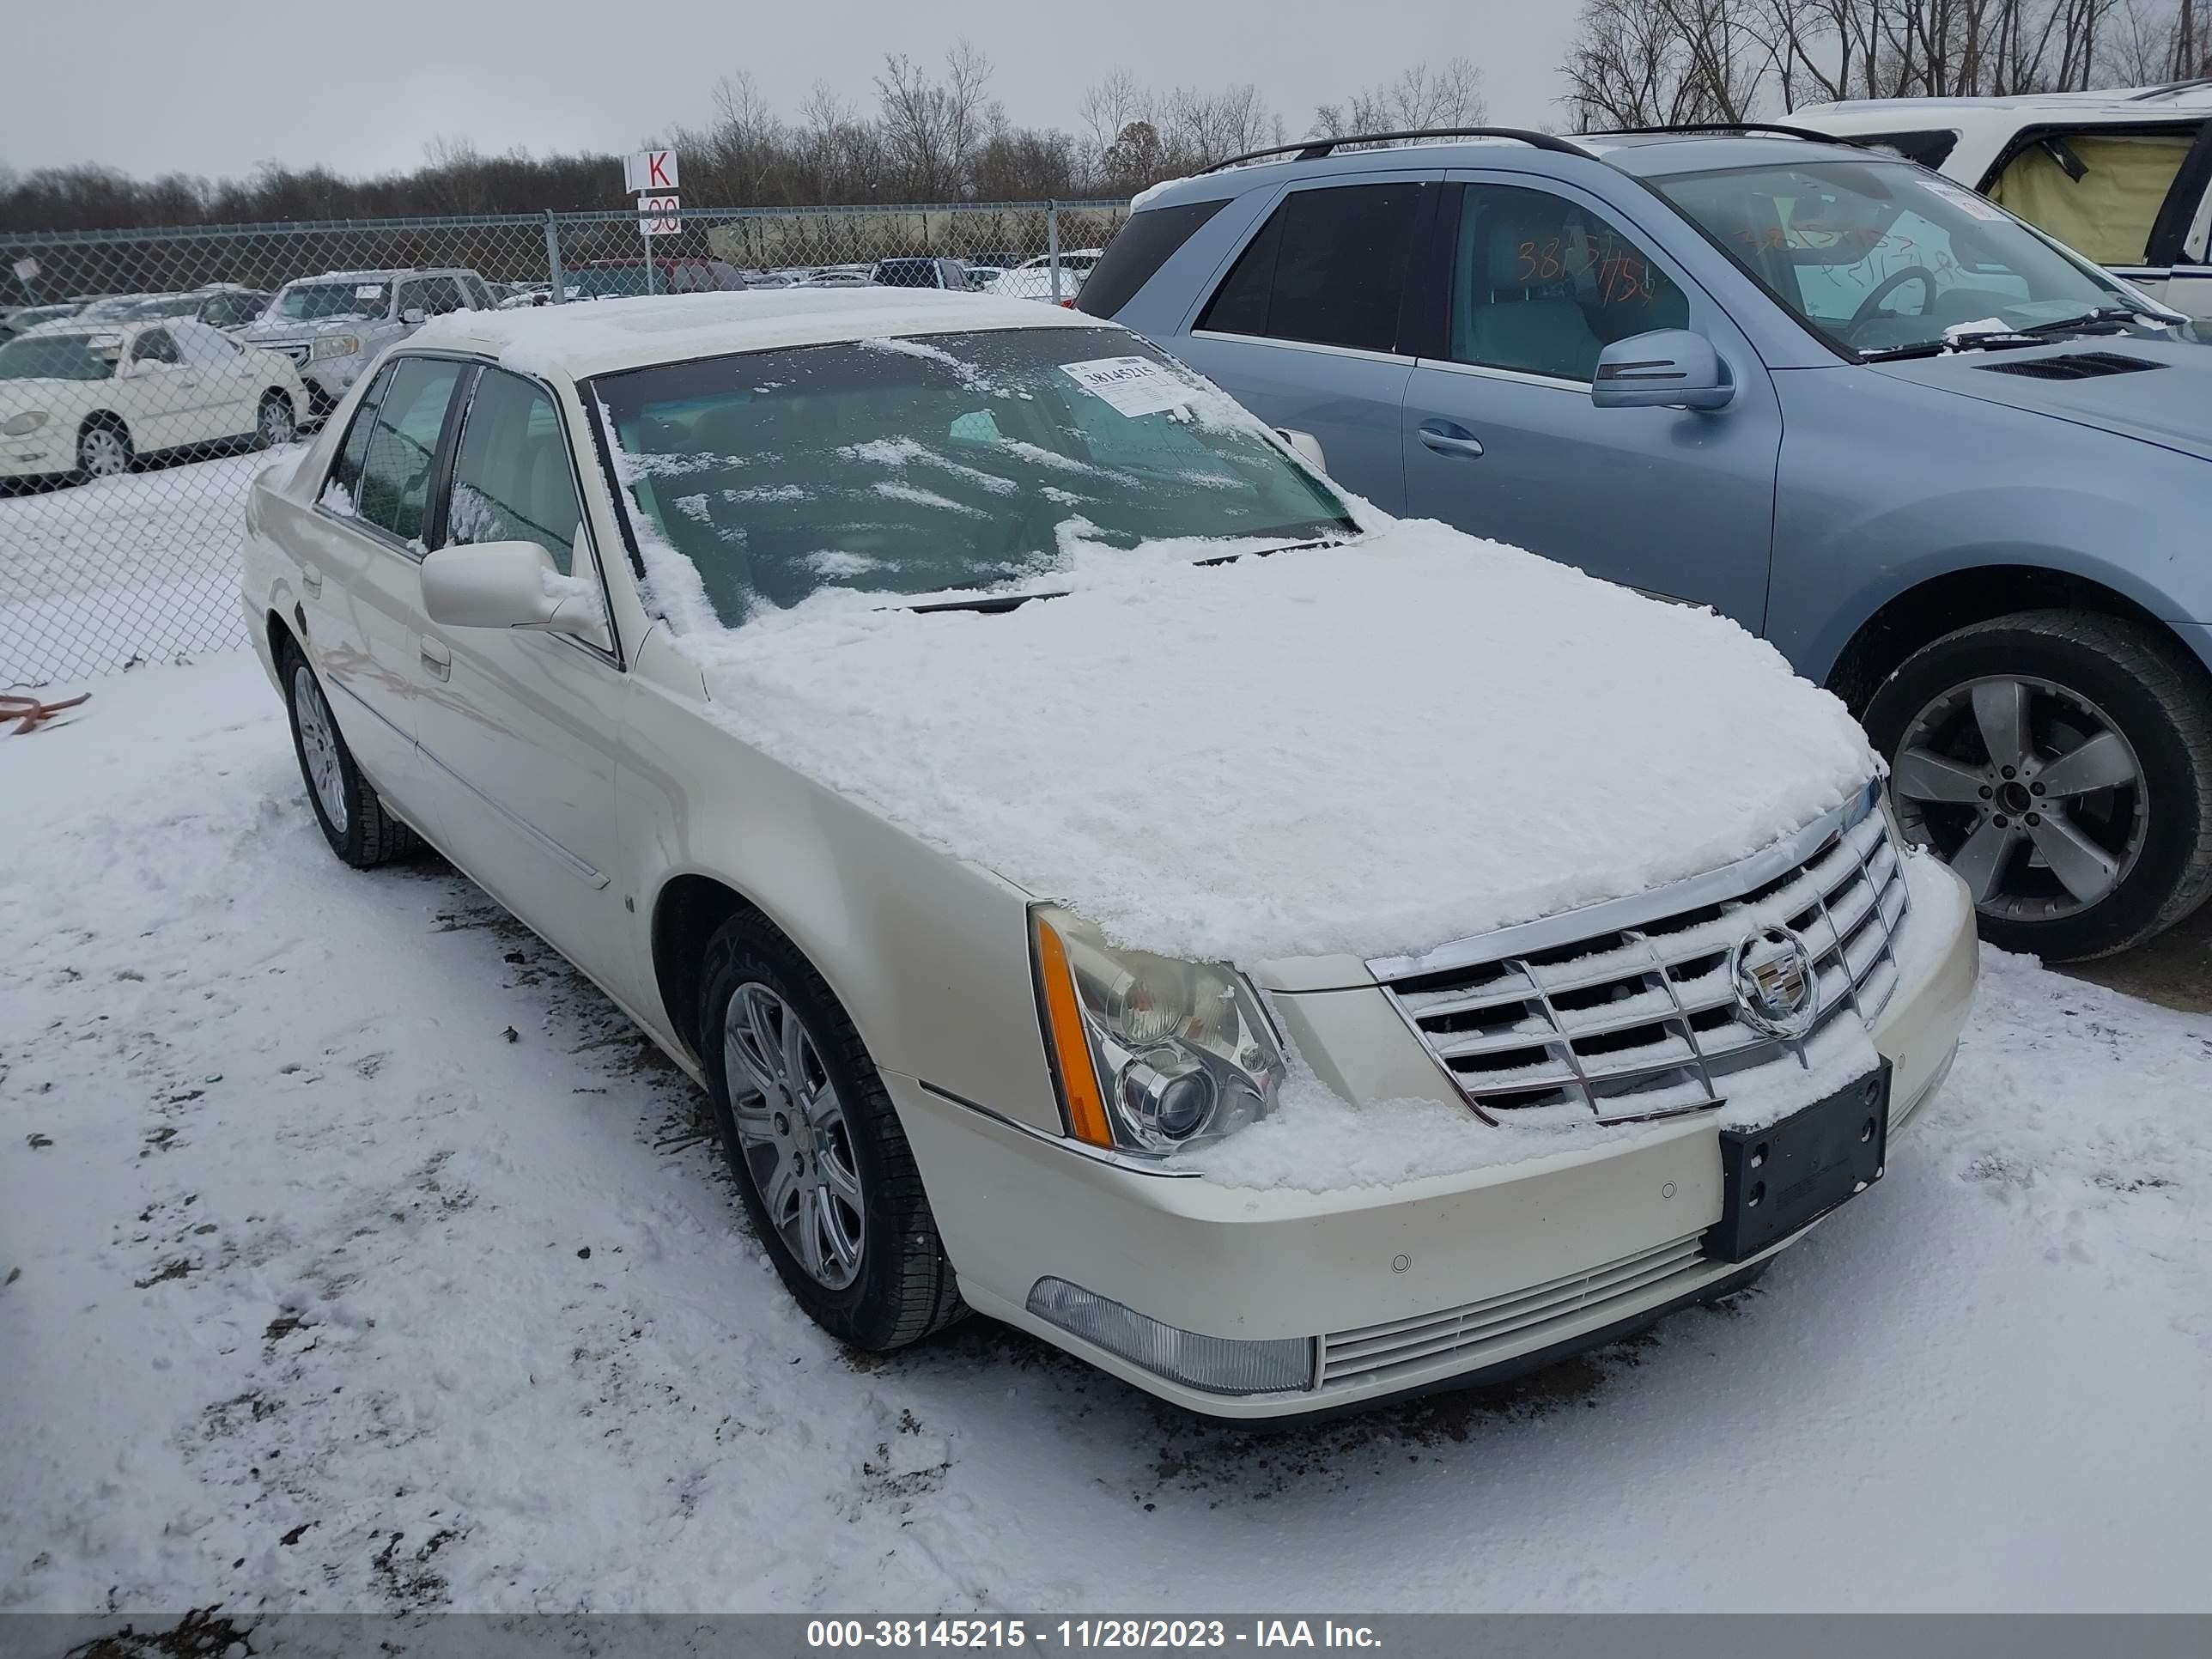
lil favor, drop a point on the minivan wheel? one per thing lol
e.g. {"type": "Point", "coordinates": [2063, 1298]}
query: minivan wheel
{"type": "Point", "coordinates": [815, 1143]}
{"type": "Point", "coordinates": [2061, 763]}
{"type": "Point", "coordinates": [352, 819]}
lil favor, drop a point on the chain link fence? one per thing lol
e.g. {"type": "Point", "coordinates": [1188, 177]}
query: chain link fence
{"type": "Point", "coordinates": [146, 376]}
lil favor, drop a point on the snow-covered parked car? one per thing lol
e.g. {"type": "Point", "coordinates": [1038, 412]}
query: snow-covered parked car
{"type": "Point", "coordinates": [333, 326]}
{"type": "Point", "coordinates": [1105, 877]}
{"type": "Point", "coordinates": [91, 399]}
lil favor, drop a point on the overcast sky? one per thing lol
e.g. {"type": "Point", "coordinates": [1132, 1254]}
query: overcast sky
{"type": "Point", "coordinates": [211, 87]}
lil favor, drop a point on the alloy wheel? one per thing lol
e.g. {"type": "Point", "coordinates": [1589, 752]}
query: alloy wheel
{"type": "Point", "coordinates": [319, 745]}
{"type": "Point", "coordinates": [793, 1135]}
{"type": "Point", "coordinates": [2028, 789]}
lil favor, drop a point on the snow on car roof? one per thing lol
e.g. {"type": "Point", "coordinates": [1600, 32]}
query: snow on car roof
{"type": "Point", "coordinates": [583, 339]}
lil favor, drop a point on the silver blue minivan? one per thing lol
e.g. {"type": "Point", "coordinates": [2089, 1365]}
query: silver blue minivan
{"type": "Point", "coordinates": [1951, 470]}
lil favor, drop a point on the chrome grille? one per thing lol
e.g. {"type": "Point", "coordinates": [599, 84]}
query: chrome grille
{"type": "Point", "coordinates": [1629, 1010]}
{"type": "Point", "coordinates": [1382, 1352]}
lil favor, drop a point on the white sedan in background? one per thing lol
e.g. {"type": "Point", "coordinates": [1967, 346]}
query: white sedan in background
{"type": "Point", "coordinates": [91, 399]}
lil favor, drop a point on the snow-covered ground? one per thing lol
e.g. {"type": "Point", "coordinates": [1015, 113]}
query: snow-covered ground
{"type": "Point", "coordinates": [141, 567]}
{"type": "Point", "coordinates": [356, 1254]}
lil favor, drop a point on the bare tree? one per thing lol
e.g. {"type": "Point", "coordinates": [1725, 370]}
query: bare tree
{"type": "Point", "coordinates": [1652, 62]}
{"type": "Point", "coordinates": [1419, 98]}
{"type": "Point", "coordinates": [933, 128]}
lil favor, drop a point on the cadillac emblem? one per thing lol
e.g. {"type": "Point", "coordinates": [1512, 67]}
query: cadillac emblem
{"type": "Point", "coordinates": [1776, 985]}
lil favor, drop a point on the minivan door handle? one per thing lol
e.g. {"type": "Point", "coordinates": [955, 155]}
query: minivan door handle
{"type": "Point", "coordinates": [437, 661]}
{"type": "Point", "coordinates": [1450, 438]}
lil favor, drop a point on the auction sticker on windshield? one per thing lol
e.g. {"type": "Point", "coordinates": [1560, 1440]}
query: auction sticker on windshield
{"type": "Point", "coordinates": [1964, 199]}
{"type": "Point", "coordinates": [1134, 386]}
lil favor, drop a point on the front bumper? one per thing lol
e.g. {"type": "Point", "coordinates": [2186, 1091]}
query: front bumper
{"type": "Point", "coordinates": [1402, 1288]}
{"type": "Point", "coordinates": [44, 454]}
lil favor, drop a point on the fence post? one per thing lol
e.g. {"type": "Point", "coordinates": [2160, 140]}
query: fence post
{"type": "Point", "coordinates": [1052, 244]}
{"type": "Point", "coordinates": [553, 258]}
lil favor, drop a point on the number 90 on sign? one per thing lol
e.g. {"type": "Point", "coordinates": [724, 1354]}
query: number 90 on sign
{"type": "Point", "coordinates": [659, 216]}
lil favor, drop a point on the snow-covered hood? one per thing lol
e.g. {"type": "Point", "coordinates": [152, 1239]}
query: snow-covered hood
{"type": "Point", "coordinates": [1364, 750]}
{"type": "Point", "coordinates": [2170, 405]}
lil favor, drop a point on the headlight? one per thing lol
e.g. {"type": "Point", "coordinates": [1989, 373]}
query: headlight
{"type": "Point", "coordinates": [336, 345]}
{"type": "Point", "coordinates": [1153, 1054]}
{"type": "Point", "coordinates": [29, 421]}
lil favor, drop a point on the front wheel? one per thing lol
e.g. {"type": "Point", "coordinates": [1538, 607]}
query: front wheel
{"type": "Point", "coordinates": [103, 450]}
{"type": "Point", "coordinates": [2061, 763]}
{"type": "Point", "coordinates": [274, 425]}
{"type": "Point", "coordinates": [820, 1159]}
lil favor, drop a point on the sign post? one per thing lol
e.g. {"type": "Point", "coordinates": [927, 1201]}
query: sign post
{"type": "Point", "coordinates": [651, 175]}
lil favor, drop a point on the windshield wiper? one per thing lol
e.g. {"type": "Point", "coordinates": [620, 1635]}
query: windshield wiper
{"type": "Point", "coordinates": [2104, 319]}
{"type": "Point", "coordinates": [991, 603]}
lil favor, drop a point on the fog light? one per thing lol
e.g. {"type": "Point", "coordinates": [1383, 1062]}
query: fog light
{"type": "Point", "coordinates": [1218, 1364]}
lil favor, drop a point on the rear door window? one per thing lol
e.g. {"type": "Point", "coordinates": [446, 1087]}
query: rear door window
{"type": "Point", "coordinates": [1330, 267]}
{"type": "Point", "coordinates": [402, 446]}
{"type": "Point", "coordinates": [343, 487]}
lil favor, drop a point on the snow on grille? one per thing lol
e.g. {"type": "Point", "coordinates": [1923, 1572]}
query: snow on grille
{"type": "Point", "coordinates": [1643, 1021]}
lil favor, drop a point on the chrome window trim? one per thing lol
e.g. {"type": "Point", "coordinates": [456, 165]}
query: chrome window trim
{"type": "Point", "coordinates": [1518, 376]}
{"type": "Point", "coordinates": [1359, 352]}
{"type": "Point", "coordinates": [1637, 909]}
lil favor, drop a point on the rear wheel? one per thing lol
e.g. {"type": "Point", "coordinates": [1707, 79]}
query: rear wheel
{"type": "Point", "coordinates": [103, 449]}
{"type": "Point", "coordinates": [352, 819]}
{"type": "Point", "coordinates": [2061, 764]}
{"type": "Point", "coordinates": [815, 1143]}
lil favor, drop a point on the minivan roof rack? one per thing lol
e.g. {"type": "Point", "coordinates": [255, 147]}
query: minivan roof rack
{"type": "Point", "coordinates": [1730, 126]}
{"type": "Point", "coordinates": [1312, 149]}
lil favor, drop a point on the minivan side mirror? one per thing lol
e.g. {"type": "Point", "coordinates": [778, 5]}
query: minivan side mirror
{"type": "Point", "coordinates": [1307, 447]}
{"type": "Point", "coordinates": [414, 315]}
{"type": "Point", "coordinates": [1667, 368]}
{"type": "Point", "coordinates": [503, 585]}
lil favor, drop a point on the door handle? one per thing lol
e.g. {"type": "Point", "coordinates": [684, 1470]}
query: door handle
{"type": "Point", "coordinates": [311, 580]}
{"type": "Point", "coordinates": [437, 661]}
{"type": "Point", "coordinates": [1450, 438]}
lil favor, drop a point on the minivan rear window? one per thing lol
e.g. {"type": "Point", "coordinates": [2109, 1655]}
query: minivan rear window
{"type": "Point", "coordinates": [1142, 245]}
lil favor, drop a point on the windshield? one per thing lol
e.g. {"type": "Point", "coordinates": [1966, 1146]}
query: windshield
{"type": "Point", "coordinates": [311, 302]}
{"type": "Point", "coordinates": [1882, 255]}
{"type": "Point", "coordinates": [57, 357]}
{"type": "Point", "coordinates": [956, 462]}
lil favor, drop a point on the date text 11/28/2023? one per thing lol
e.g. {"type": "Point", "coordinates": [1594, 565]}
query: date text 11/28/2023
{"type": "Point", "coordinates": [950, 1633]}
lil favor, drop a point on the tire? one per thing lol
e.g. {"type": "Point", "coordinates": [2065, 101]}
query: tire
{"type": "Point", "coordinates": [901, 1288]}
{"type": "Point", "coordinates": [2125, 860]}
{"type": "Point", "coordinates": [274, 423]}
{"type": "Point", "coordinates": [353, 821]}
{"type": "Point", "coordinates": [103, 449]}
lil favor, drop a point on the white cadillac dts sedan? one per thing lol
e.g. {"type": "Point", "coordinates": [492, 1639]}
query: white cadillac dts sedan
{"type": "Point", "coordinates": [1106, 876]}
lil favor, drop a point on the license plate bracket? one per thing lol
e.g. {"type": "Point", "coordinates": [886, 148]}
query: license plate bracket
{"type": "Point", "coordinates": [1785, 1176]}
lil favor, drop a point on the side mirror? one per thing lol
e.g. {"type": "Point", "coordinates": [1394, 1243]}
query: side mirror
{"type": "Point", "coordinates": [1667, 368]}
{"type": "Point", "coordinates": [1307, 447]}
{"type": "Point", "coordinates": [414, 315]}
{"type": "Point", "coordinates": [505, 584]}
